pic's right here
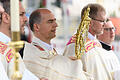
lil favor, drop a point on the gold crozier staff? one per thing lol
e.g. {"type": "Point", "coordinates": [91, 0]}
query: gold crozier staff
{"type": "Point", "coordinates": [82, 33]}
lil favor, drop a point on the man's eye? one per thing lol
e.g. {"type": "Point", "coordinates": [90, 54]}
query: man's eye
{"type": "Point", "coordinates": [50, 21]}
{"type": "Point", "coordinates": [21, 14]}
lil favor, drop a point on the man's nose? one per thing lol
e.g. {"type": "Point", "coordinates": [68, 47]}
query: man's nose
{"type": "Point", "coordinates": [25, 18]}
{"type": "Point", "coordinates": [55, 24]}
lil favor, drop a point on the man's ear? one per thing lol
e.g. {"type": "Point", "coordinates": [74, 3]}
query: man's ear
{"type": "Point", "coordinates": [36, 27]}
{"type": "Point", "coordinates": [5, 17]}
{"type": "Point", "coordinates": [91, 23]}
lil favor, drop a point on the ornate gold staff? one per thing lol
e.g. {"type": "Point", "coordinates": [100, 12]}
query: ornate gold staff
{"type": "Point", "coordinates": [16, 43]}
{"type": "Point", "coordinates": [82, 33]}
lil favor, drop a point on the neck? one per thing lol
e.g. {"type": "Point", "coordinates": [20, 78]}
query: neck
{"type": "Point", "coordinates": [6, 32]}
{"type": "Point", "coordinates": [90, 31]}
{"type": "Point", "coordinates": [4, 28]}
{"type": "Point", "coordinates": [109, 44]}
{"type": "Point", "coordinates": [43, 39]}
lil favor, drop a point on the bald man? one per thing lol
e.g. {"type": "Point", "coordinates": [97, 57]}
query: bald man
{"type": "Point", "coordinates": [41, 58]}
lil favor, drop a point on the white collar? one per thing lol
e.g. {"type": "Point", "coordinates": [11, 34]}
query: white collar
{"type": "Point", "coordinates": [4, 38]}
{"type": "Point", "coordinates": [39, 42]}
{"type": "Point", "coordinates": [91, 37]}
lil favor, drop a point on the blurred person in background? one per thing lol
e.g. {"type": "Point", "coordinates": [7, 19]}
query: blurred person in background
{"type": "Point", "coordinates": [106, 40]}
{"type": "Point", "coordinates": [108, 35]}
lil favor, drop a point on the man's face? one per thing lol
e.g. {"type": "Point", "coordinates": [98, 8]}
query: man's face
{"type": "Point", "coordinates": [23, 18]}
{"type": "Point", "coordinates": [108, 33]}
{"type": "Point", "coordinates": [47, 26]}
{"type": "Point", "coordinates": [98, 22]}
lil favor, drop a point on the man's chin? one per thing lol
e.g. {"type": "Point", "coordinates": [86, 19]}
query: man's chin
{"type": "Point", "coordinates": [53, 36]}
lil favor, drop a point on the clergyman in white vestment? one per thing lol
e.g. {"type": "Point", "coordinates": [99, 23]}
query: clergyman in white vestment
{"type": "Point", "coordinates": [41, 58]}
